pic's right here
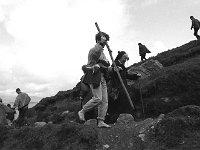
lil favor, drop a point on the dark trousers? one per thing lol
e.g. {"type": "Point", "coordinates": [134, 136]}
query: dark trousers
{"type": "Point", "coordinates": [143, 56]}
{"type": "Point", "coordinates": [196, 33]}
{"type": "Point", "coordinates": [21, 120]}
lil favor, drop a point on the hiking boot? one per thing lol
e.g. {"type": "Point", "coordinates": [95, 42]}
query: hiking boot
{"type": "Point", "coordinates": [102, 124]}
{"type": "Point", "coordinates": [81, 116]}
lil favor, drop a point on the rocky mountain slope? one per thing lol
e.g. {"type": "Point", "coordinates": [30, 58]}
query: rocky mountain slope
{"type": "Point", "coordinates": [167, 102]}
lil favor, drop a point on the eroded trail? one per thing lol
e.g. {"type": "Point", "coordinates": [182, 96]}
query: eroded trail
{"type": "Point", "coordinates": [123, 135]}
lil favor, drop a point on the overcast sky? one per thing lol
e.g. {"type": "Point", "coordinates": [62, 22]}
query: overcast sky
{"type": "Point", "coordinates": [44, 43]}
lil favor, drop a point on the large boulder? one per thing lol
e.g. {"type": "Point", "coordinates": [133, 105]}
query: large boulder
{"type": "Point", "coordinates": [125, 119]}
{"type": "Point", "coordinates": [172, 129]}
{"type": "Point", "coordinates": [146, 68]}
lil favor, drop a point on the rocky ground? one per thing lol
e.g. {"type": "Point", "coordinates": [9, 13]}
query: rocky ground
{"type": "Point", "coordinates": [177, 130]}
{"type": "Point", "coordinates": [170, 95]}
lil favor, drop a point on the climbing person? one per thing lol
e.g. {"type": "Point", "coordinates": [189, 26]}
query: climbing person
{"type": "Point", "coordinates": [94, 77]}
{"type": "Point", "coordinates": [4, 110]}
{"type": "Point", "coordinates": [21, 102]}
{"type": "Point", "coordinates": [195, 25]}
{"type": "Point", "coordinates": [142, 51]}
{"type": "Point", "coordinates": [117, 104]}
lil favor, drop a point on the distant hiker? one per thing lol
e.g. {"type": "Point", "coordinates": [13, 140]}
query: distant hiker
{"type": "Point", "coordinates": [3, 113]}
{"type": "Point", "coordinates": [22, 101]}
{"type": "Point", "coordinates": [142, 51]}
{"type": "Point", "coordinates": [95, 78]}
{"type": "Point", "coordinates": [117, 104]}
{"type": "Point", "coordinates": [9, 105]}
{"type": "Point", "coordinates": [195, 25]}
{"type": "Point", "coordinates": [10, 115]}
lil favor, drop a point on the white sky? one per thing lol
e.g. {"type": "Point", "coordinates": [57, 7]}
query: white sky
{"type": "Point", "coordinates": [44, 43]}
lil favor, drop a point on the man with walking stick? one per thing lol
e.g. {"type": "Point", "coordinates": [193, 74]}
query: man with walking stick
{"type": "Point", "coordinates": [95, 78]}
{"type": "Point", "coordinates": [117, 71]}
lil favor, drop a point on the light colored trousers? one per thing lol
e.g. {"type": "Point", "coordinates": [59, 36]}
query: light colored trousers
{"type": "Point", "coordinates": [100, 98]}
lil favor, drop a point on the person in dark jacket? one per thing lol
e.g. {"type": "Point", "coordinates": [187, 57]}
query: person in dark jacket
{"type": "Point", "coordinates": [142, 51]}
{"type": "Point", "coordinates": [94, 77]}
{"type": "Point", "coordinates": [120, 60]}
{"type": "Point", "coordinates": [195, 25]}
{"type": "Point", "coordinates": [118, 101]}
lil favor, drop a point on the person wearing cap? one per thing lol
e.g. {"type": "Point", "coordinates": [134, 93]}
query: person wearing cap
{"type": "Point", "coordinates": [142, 51]}
{"type": "Point", "coordinates": [195, 25]}
{"type": "Point", "coordinates": [117, 104]}
{"type": "Point", "coordinates": [4, 110]}
{"type": "Point", "coordinates": [94, 77]}
{"type": "Point", "coordinates": [21, 102]}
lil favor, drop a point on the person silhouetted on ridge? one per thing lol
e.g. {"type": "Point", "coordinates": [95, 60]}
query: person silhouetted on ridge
{"type": "Point", "coordinates": [142, 51]}
{"type": "Point", "coordinates": [195, 25]}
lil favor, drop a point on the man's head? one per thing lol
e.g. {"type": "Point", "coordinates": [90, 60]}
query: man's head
{"type": "Point", "coordinates": [139, 44]}
{"type": "Point", "coordinates": [18, 90]}
{"type": "Point", "coordinates": [191, 17]}
{"type": "Point", "coordinates": [102, 38]}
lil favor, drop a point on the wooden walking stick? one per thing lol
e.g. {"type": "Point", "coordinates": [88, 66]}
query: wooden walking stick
{"type": "Point", "coordinates": [121, 81]}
